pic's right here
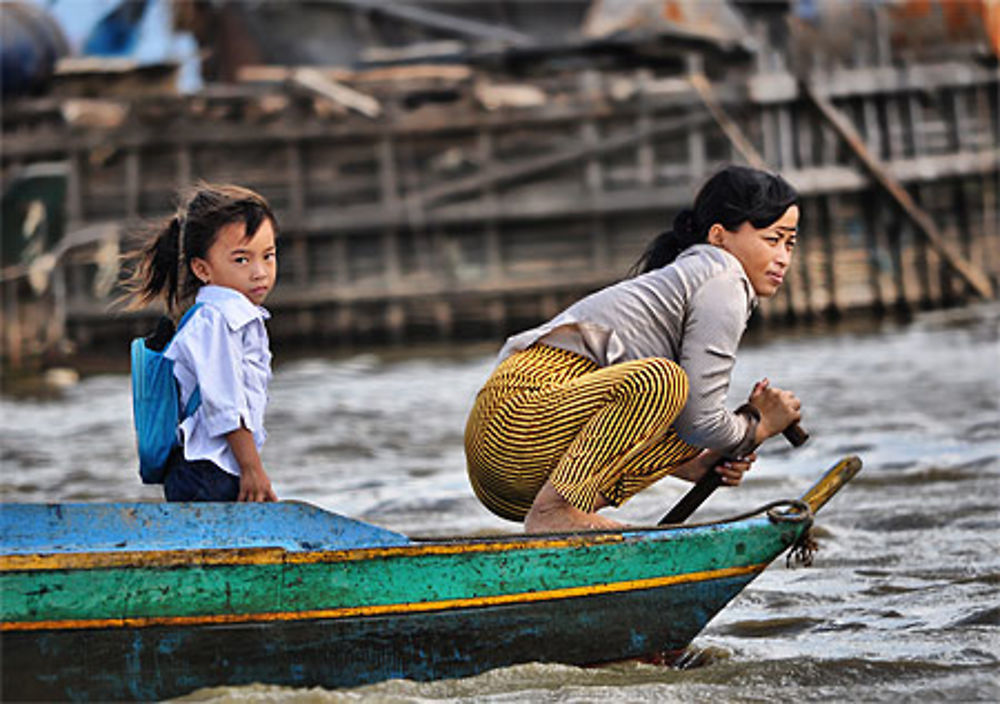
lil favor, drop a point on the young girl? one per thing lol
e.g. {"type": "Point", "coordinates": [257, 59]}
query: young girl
{"type": "Point", "coordinates": [629, 384]}
{"type": "Point", "coordinates": [220, 249]}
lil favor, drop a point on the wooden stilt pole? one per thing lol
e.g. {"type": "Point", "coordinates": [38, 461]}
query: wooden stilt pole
{"type": "Point", "coordinates": [925, 225]}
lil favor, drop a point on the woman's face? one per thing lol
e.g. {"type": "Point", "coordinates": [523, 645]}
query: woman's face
{"type": "Point", "coordinates": [765, 253]}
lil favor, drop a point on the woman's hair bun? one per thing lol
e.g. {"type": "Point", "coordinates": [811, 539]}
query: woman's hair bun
{"type": "Point", "coordinates": [684, 223]}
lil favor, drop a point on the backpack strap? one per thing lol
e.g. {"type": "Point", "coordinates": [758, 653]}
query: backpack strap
{"type": "Point", "coordinates": [194, 400]}
{"type": "Point", "coordinates": [187, 315]}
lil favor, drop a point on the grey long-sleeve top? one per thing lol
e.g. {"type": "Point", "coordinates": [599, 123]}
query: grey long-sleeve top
{"type": "Point", "coordinates": [693, 311]}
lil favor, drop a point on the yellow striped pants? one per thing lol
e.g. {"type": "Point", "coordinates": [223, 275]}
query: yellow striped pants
{"type": "Point", "coordinates": [549, 414]}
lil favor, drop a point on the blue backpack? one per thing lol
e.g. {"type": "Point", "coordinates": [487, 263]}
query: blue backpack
{"type": "Point", "coordinates": [156, 399]}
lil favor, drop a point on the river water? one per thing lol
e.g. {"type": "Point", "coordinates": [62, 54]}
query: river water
{"type": "Point", "coordinates": [902, 602]}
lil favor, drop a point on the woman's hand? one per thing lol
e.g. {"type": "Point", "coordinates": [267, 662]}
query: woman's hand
{"type": "Point", "coordinates": [778, 409]}
{"type": "Point", "coordinates": [730, 471]}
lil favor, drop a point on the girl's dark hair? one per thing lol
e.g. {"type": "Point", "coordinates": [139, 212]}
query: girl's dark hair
{"type": "Point", "coordinates": [162, 268]}
{"type": "Point", "coordinates": [731, 197]}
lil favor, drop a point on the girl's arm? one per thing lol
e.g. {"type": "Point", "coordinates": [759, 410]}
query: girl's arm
{"type": "Point", "coordinates": [254, 482]}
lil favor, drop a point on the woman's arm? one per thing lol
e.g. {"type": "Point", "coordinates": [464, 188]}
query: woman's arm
{"type": "Point", "coordinates": [715, 318]}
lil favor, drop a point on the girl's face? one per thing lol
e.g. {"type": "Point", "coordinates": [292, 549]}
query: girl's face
{"type": "Point", "coordinates": [765, 253]}
{"type": "Point", "coordinates": [245, 264]}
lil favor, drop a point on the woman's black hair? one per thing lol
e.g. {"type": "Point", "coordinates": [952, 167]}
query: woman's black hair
{"type": "Point", "coordinates": [163, 266]}
{"type": "Point", "coordinates": [732, 196]}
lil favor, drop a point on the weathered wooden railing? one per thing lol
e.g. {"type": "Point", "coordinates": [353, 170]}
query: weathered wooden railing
{"type": "Point", "coordinates": [455, 220]}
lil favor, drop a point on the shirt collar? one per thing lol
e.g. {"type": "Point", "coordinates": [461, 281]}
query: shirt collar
{"type": "Point", "coordinates": [728, 260]}
{"type": "Point", "coordinates": [236, 308]}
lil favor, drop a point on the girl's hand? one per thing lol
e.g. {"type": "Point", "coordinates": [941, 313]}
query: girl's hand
{"type": "Point", "coordinates": [255, 486]}
{"type": "Point", "coordinates": [778, 409]}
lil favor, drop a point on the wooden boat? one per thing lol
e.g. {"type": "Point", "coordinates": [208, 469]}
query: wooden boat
{"type": "Point", "coordinates": [150, 601]}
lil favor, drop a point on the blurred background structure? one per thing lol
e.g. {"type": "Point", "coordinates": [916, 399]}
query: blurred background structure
{"type": "Point", "coordinates": [465, 168]}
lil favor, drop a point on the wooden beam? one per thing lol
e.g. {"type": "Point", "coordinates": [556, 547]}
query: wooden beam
{"type": "Point", "coordinates": [729, 127]}
{"type": "Point", "coordinates": [975, 276]}
{"type": "Point", "coordinates": [830, 180]}
{"type": "Point", "coordinates": [824, 226]}
{"type": "Point", "coordinates": [432, 19]}
{"type": "Point", "coordinates": [782, 86]}
{"type": "Point", "coordinates": [535, 165]}
{"type": "Point", "coordinates": [297, 208]}
{"type": "Point", "coordinates": [41, 143]}
{"type": "Point", "coordinates": [133, 183]}
{"type": "Point", "coordinates": [491, 207]}
{"type": "Point", "coordinates": [340, 95]}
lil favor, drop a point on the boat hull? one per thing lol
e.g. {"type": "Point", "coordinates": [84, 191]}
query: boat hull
{"type": "Point", "coordinates": [118, 664]}
{"type": "Point", "coordinates": [150, 601]}
{"type": "Point", "coordinates": [154, 624]}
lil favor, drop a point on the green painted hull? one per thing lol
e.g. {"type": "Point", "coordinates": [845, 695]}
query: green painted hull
{"type": "Point", "coordinates": [169, 613]}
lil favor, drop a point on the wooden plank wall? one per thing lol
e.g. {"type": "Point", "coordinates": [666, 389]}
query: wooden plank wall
{"type": "Point", "coordinates": [447, 222]}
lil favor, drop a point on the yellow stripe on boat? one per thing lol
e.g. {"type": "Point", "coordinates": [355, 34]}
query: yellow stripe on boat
{"type": "Point", "coordinates": [277, 555]}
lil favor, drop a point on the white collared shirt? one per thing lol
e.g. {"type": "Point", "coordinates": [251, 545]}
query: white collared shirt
{"type": "Point", "coordinates": [223, 349]}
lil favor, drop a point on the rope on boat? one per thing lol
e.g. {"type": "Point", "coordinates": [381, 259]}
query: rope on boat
{"type": "Point", "coordinates": [800, 554]}
{"type": "Point", "coordinates": [802, 550]}
{"type": "Point", "coordinates": [798, 511]}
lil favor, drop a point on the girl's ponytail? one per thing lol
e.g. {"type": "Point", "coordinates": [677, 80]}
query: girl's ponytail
{"type": "Point", "coordinates": [156, 268]}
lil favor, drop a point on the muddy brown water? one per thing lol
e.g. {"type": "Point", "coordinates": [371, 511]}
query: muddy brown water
{"type": "Point", "coordinates": [902, 602]}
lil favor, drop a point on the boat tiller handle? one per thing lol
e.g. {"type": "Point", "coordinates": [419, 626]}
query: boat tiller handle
{"type": "Point", "coordinates": [795, 435]}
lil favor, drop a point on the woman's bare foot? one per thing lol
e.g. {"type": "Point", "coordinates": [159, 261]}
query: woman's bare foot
{"type": "Point", "coordinates": [551, 513]}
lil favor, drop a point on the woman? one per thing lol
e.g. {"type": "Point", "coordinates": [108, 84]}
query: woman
{"type": "Point", "coordinates": [629, 384]}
